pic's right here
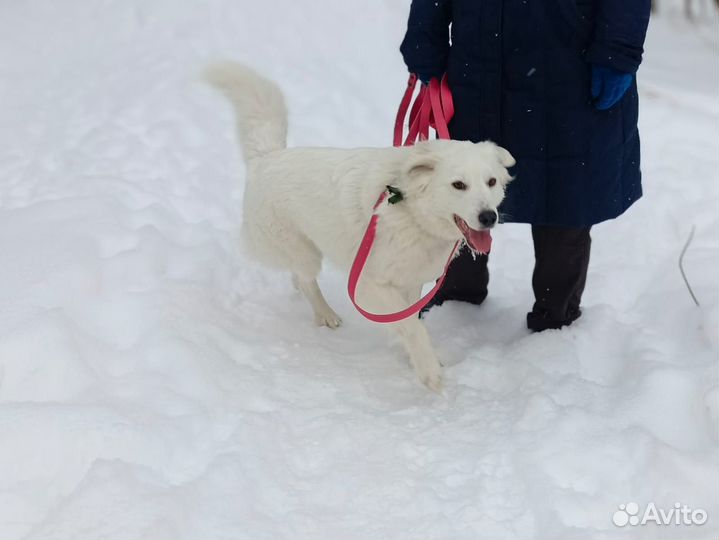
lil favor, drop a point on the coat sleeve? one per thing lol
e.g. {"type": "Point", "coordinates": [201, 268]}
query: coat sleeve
{"type": "Point", "coordinates": [426, 44]}
{"type": "Point", "coordinates": [621, 26]}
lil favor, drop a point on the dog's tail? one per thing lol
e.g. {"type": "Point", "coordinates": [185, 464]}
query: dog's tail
{"type": "Point", "coordinates": [259, 107]}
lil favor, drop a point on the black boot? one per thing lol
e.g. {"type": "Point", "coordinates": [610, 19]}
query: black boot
{"type": "Point", "coordinates": [467, 280]}
{"type": "Point", "coordinates": [560, 273]}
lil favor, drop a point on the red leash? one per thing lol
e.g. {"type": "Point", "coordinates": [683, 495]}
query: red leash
{"type": "Point", "coordinates": [433, 108]}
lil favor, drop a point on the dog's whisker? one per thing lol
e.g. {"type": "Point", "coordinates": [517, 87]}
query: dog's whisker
{"type": "Point", "coordinates": [504, 216]}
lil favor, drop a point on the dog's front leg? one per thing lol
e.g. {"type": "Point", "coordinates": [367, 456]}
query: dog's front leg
{"type": "Point", "coordinates": [411, 331]}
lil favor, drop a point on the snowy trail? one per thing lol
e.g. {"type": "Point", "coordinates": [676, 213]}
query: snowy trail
{"type": "Point", "coordinates": [155, 384]}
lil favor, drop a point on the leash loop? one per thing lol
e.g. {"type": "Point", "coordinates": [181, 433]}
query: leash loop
{"type": "Point", "coordinates": [432, 108]}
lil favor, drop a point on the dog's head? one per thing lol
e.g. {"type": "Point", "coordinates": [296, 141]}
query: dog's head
{"type": "Point", "coordinates": [453, 188]}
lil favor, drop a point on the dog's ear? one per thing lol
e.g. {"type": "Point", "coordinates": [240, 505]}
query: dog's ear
{"type": "Point", "coordinates": [417, 170]}
{"type": "Point", "coordinates": [420, 167]}
{"type": "Point", "coordinates": [505, 158]}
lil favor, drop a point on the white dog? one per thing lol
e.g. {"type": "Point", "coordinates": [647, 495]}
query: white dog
{"type": "Point", "coordinates": [303, 204]}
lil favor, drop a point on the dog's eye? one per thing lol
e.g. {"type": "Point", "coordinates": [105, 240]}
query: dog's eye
{"type": "Point", "coordinates": [491, 182]}
{"type": "Point", "coordinates": [458, 184]}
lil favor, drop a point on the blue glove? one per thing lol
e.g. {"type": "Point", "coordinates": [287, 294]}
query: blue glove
{"type": "Point", "coordinates": [609, 86]}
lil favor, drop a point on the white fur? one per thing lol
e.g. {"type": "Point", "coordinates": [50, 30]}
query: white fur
{"type": "Point", "coordinates": [303, 204]}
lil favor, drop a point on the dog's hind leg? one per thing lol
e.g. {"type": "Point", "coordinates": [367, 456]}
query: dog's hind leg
{"type": "Point", "coordinates": [324, 314]}
{"type": "Point", "coordinates": [284, 247]}
{"type": "Point", "coordinates": [305, 261]}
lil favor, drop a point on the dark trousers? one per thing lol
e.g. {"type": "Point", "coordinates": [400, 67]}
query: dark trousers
{"type": "Point", "coordinates": [561, 257]}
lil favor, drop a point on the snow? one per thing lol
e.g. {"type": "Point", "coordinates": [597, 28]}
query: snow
{"type": "Point", "coordinates": [156, 384]}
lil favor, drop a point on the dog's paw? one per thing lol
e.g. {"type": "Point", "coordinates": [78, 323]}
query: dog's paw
{"type": "Point", "coordinates": [431, 377]}
{"type": "Point", "coordinates": [330, 320]}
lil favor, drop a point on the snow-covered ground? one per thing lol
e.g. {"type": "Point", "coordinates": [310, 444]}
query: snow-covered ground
{"type": "Point", "coordinates": [155, 384]}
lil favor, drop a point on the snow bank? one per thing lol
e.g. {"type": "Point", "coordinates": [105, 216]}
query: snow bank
{"type": "Point", "coordinates": [155, 384]}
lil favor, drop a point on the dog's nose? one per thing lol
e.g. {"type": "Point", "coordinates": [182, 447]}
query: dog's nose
{"type": "Point", "coordinates": [487, 218]}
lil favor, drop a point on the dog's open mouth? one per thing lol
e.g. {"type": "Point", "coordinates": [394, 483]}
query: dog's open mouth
{"type": "Point", "coordinates": [479, 241]}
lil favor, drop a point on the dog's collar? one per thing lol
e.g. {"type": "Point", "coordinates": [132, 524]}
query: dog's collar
{"type": "Point", "coordinates": [395, 195]}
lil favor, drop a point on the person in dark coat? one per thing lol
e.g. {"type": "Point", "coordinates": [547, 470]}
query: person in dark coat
{"type": "Point", "coordinates": [553, 81]}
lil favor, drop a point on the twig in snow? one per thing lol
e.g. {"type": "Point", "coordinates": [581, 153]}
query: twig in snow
{"type": "Point", "coordinates": [681, 264]}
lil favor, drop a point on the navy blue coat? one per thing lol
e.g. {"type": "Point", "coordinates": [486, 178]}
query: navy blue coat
{"type": "Point", "coordinates": [520, 71]}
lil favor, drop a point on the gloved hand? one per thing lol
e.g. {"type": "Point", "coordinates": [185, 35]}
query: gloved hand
{"type": "Point", "coordinates": [609, 86]}
{"type": "Point", "coordinates": [424, 78]}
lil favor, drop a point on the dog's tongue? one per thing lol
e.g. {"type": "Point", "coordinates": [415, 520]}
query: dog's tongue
{"type": "Point", "coordinates": [480, 241]}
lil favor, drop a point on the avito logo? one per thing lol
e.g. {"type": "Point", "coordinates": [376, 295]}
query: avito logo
{"type": "Point", "coordinates": [679, 514]}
